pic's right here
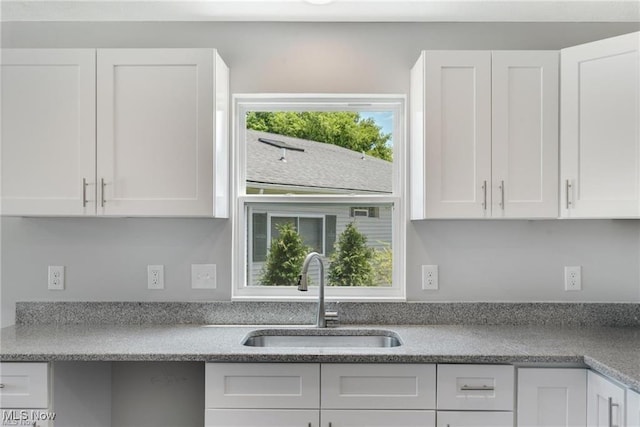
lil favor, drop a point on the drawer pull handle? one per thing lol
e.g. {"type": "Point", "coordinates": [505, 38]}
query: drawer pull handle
{"type": "Point", "coordinates": [502, 194]}
{"type": "Point", "coordinates": [1, 385]}
{"type": "Point", "coordinates": [568, 193]}
{"type": "Point", "coordinates": [481, 388]}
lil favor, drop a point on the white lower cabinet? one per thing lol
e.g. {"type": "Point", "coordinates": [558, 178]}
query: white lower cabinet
{"type": "Point", "coordinates": [552, 397]}
{"type": "Point", "coordinates": [474, 419]}
{"type": "Point", "coordinates": [633, 409]}
{"type": "Point", "coordinates": [261, 417]}
{"type": "Point", "coordinates": [378, 386]}
{"type": "Point", "coordinates": [24, 394]}
{"type": "Point", "coordinates": [605, 402]}
{"type": "Point", "coordinates": [377, 418]}
{"type": "Point", "coordinates": [320, 395]}
{"type": "Point", "coordinates": [475, 387]}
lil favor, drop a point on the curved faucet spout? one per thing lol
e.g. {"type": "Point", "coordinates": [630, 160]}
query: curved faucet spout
{"type": "Point", "coordinates": [302, 285]}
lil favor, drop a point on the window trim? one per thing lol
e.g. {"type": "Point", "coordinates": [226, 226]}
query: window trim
{"type": "Point", "coordinates": [243, 103]}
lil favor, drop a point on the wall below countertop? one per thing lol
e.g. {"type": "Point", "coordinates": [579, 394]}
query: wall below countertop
{"type": "Point", "coordinates": [106, 259]}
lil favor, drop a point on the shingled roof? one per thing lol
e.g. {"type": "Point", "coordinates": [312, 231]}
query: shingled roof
{"type": "Point", "coordinates": [319, 167]}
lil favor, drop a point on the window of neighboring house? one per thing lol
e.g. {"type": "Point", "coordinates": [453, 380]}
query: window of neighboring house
{"type": "Point", "coordinates": [318, 232]}
{"type": "Point", "coordinates": [319, 173]}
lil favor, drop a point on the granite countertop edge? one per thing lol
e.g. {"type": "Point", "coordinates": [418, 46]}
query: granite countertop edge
{"type": "Point", "coordinates": [612, 352]}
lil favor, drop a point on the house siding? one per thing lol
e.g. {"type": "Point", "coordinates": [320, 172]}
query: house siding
{"type": "Point", "coordinates": [378, 231]}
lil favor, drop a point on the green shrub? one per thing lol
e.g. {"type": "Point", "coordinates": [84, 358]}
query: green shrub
{"type": "Point", "coordinates": [351, 261]}
{"type": "Point", "coordinates": [285, 257]}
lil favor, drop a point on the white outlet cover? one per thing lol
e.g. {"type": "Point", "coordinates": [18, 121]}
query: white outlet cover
{"type": "Point", "coordinates": [56, 278]}
{"type": "Point", "coordinates": [430, 277]}
{"type": "Point", "coordinates": [203, 276]}
{"type": "Point", "coordinates": [155, 277]}
{"type": "Point", "coordinates": [573, 278]}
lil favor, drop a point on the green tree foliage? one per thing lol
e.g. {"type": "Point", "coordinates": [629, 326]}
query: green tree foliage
{"type": "Point", "coordinates": [382, 264]}
{"type": "Point", "coordinates": [343, 128]}
{"type": "Point", "coordinates": [351, 261]}
{"type": "Point", "coordinates": [285, 258]}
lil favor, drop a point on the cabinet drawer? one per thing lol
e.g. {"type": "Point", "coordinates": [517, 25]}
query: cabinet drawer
{"type": "Point", "coordinates": [24, 385]}
{"type": "Point", "coordinates": [475, 419]}
{"type": "Point", "coordinates": [262, 385]}
{"type": "Point", "coordinates": [261, 417]}
{"type": "Point", "coordinates": [476, 387]}
{"type": "Point", "coordinates": [378, 386]}
{"type": "Point", "coordinates": [375, 418]}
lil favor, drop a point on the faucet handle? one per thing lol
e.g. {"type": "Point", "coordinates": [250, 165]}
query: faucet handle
{"type": "Point", "coordinates": [331, 318]}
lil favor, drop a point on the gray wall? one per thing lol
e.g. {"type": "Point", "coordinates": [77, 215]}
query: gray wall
{"type": "Point", "coordinates": [479, 260]}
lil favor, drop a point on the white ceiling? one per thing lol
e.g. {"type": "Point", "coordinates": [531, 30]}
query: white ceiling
{"type": "Point", "coordinates": [337, 10]}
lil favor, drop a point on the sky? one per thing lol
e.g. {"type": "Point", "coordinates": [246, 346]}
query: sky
{"type": "Point", "coordinates": [384, 119]}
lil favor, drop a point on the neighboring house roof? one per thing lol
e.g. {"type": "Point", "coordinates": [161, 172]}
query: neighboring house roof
{"type": "Point", "coordinates": [320, 166]}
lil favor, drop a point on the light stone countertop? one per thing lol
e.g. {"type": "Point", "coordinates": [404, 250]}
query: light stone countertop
{"type": "Point", "coordinates": [614, 352]}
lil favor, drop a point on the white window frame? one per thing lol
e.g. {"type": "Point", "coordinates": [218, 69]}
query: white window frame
{"type": "Point", "coordinates": [244, 103]}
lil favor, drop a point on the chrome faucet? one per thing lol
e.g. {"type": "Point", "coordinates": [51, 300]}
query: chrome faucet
{"type": "Point", "coordinates": [323, 317]}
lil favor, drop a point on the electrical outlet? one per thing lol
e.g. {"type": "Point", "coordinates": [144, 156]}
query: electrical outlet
{"type": "Point", "coordinates": [56, 278]}
{"type": "Point", "coordinates": [155, 276]}
{"type": "Point", "coordinates": [430, 277]}
{"type": "Point", "coordinates": [203, 276]}
{"type": "Point", "coordinates": [573, 278]}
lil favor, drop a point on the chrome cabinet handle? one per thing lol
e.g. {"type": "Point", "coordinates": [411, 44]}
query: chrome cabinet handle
{"type": "Point", "coordinates": [481, 388]}
{"type": "Point", "coordinates": [502, 194]}
{"type": "Point", "coordinates": [567, 193]}
{"type": "Point", "coordinates": [611, 406]}
{"type": "Point", "coordinates": [102, 185]}
{"type": "Point", "coordinates": [484, 190]}
{"type": "Point", "coordinates": [84, 192]}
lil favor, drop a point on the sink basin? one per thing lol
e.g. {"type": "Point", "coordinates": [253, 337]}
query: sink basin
{"type": "Point", "coordinates": [337, 338]}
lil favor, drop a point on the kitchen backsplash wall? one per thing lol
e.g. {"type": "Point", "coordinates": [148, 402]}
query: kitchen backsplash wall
{"type": "Point", "coordinates": [523, 261]}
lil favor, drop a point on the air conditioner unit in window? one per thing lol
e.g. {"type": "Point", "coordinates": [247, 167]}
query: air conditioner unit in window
{"type": "Point", "coordinates": [355, 212]}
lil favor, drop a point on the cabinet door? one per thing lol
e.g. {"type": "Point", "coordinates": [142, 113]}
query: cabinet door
{"type": "Point", "coordinates": [633, 409]}
{"type": "Point", "coordinates": [552, 397]}
{"type": "Point", "coordinates": [260, 418]}
{"type": "Point", "coordinates": [156, 131]}
{"type": "Point", "coordinates": [600, 141]}
{"type": "Point", "coordinates": [48, 132]}
{"type": "Point", "coordinates": [377, 418]}
{"type": "Point", "coordinates": [474, 419]}
{"type": "Point", "coordinates": [458, 134]}
{"type": "Point", "coordinates": [605, 402]}
{"type": "Point", "coordinates": [524, 134]}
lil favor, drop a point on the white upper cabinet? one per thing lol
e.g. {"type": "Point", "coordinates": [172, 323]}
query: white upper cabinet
{"type": "Point", "coordinates": [484, 140]}
{"type": "Point", "coordinates": [147, 137]}
{"type": "Point", "coordinates": [452, 170]}
{"type": "Point", "coordinates": [48, 132]}
{"type": "Point", "coordinates": [600, 154]}
{"type": "Point", "coordinates": [156, 116]}
{"type": "Point", "coordinates": [524, 134]}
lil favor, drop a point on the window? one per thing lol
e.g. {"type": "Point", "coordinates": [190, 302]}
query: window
{"type": "Point", "coordinates": [318, 173]}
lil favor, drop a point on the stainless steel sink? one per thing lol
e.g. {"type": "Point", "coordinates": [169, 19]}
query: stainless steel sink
{"type": "Point", "coordinates": [341, 338]}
